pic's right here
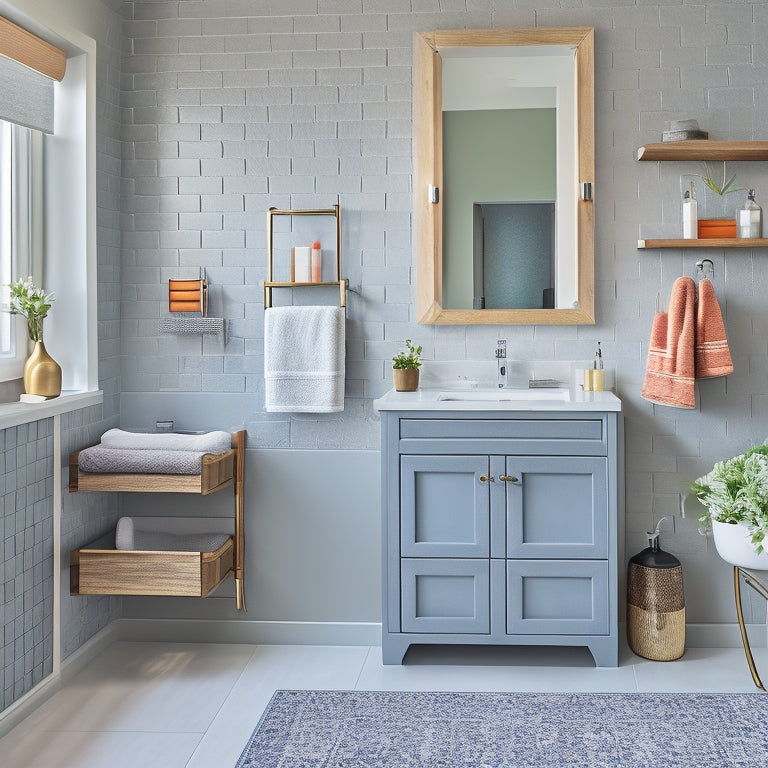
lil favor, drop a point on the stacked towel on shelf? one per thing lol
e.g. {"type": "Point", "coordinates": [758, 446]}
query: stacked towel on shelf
{"type": "Point", "coordinates": [101, 460]}
{"type": "Point", "coordinates": [162, 453]}
{"type": "Point", "coordinates": [304, 359]}
{"type": "Point", "coordinates": [687, 342]}
{"type": "Point", "coordinates": [129, 537]}
{"type": "Point", "coordinates": [208, 442]}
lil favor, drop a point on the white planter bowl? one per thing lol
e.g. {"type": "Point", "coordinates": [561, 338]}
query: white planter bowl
{"type": "Point", "coordinates": [732, 542]}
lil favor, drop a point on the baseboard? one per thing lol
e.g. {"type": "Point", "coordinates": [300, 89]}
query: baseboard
{"type": "Point", "coordinates": [249, 632]}
{"type": "Point", "coordinates": [724, 635]}
{"type": "Point", "coordinates": [71, 666]}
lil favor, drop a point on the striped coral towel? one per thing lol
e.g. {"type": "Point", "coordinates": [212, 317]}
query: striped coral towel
{"type": "Point", "coordinates": [712, 355]}
{"type": "Point", "coordinates": [669, 375]}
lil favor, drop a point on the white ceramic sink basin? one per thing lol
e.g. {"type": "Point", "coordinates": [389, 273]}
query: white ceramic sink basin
{"type": "Point", "coordinates": [502, 395]}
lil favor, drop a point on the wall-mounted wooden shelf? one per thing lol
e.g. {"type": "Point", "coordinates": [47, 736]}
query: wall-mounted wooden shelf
{"type": "Point", "coordinates": [711, 242]}
{"type": "Point", "coordinates": [699, 149]}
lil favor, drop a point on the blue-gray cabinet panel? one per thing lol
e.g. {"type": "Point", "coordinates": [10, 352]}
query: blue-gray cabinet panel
{"type": "Point", "coordinates": [445, 595]}
{"type": "Point", "coordinates": [557, 597]}
{"type": "Point", "coordinates": [444, 506]}
{"type": "Point", "coordinates": [557, 506]}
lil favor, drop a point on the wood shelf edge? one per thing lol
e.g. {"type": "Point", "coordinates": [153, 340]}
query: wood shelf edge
{"type": "Point", "coordinates": [713, 242]}
{"type": "Point", "coordinates": [704, 149]}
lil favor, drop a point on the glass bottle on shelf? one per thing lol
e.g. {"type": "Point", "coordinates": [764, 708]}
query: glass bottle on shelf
{"type": "Point", "coordinates": [749, 218]}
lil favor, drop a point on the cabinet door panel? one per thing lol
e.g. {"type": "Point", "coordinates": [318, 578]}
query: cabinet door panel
{"type": "Point", "coordinates": [551, 597]}
{"type": "Point", "coordinates": [557, 506]}
{"type": "Point", "coordinates": [446, 596]}
{"type": "Point", "coordinates": [444, 506]}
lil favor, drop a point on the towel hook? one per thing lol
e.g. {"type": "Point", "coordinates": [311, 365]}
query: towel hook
{"type": "Point", "coordinates": [700, 265]}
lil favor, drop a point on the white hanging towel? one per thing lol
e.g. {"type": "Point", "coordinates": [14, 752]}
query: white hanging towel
{"type": "Point", "coordinates": [304, 359]}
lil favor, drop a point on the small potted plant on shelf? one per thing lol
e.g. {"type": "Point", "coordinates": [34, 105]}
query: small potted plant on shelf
{"type": "Point", "coordinates": [406, 366]}
{"type": "Point", "coordinates": [735, 493]}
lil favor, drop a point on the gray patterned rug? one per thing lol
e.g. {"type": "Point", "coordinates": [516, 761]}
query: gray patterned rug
{"type": "Point", "coordinates": [370, 729]}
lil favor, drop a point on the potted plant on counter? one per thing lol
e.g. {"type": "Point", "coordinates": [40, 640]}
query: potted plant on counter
{"type": "Point", "coordinates": [405, 367]}
{"type": "Point", "coordinates": [735, 493]}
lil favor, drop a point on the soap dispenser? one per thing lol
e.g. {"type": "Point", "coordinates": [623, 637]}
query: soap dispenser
{"type": "Point", "coordinates": [690, 214]}
{"type": "Point", "coordinates": [749, 219]}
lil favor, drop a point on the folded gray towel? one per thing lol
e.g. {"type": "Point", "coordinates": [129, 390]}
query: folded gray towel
{"type": "Point", "coordinates": [128, 537]}
{"type": "Point", "coordinates": [99, 459]}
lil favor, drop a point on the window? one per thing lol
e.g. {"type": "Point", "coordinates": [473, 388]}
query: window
{"type": "Point", "coordinates": [18, 169]}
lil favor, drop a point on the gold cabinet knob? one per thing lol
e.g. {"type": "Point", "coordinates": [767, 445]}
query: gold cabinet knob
{"type": "Point", "coordinates": [509, 478]}
{"type": "Point", "coordinates": [486, 478]}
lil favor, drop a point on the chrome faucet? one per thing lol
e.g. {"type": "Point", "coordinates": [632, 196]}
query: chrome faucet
{"type": "Point", "coordinates": [501, 360]}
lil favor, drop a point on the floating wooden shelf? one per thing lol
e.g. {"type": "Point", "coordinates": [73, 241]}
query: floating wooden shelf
{"type": "Point", "coordinates": [712, 242]}
{"type": "Point", "coordinates": [699, 149]}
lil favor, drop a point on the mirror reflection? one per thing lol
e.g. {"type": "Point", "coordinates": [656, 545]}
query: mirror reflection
{"type": "Point", "coordinates": [512, 114]}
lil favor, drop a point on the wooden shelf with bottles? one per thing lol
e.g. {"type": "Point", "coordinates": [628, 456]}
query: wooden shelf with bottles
{"type": "Point", "coordinates": [711, 242]}
{"type": "Point", "coordinates": [704, 149]}
{"type": "Point", "coordinates": [269, 283]}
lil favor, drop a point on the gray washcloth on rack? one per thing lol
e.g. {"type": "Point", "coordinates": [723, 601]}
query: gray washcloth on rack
{"type": "Point", "coordinates": [101, 460]}
{"type": "Point", "coordinates": [128, 537]}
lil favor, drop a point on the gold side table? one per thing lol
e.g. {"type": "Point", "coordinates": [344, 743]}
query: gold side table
{"type": "Point", "coordinates": [758, 583]}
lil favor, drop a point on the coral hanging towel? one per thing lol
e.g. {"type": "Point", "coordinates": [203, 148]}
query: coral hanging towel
{"type": "Point", "coordinates": [713, 357]}
{"type": "Point", "coordinates": [669, 375]}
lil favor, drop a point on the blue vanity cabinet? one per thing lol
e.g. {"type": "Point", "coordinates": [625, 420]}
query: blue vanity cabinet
{"type": "Point", "coordinates": [500, 528]}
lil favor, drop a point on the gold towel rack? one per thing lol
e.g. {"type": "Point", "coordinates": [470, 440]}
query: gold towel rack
{"type": "Point", "coordinates": [270, 283]}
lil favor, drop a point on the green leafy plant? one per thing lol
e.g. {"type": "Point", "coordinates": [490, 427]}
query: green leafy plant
{"type": "Point", "coordinates": [735, 491]}
{"type": "Point", "coordinates": [409, 359]}
{"type": "Point", "coordinates": [722, 188]}
{"type": "Point", "coordinates": [32, 303]}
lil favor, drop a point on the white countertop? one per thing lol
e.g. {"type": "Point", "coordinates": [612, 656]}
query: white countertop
{"type": "Point", "coordinates": [497, 400]}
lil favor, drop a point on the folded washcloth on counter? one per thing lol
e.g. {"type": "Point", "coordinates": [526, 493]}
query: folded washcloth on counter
{"type": "Point", "coordinates": [129, 537]}
{"type": "Point", "coordinates": [209, 442]}
{"type": "Point", "coordinates": [99, 459]}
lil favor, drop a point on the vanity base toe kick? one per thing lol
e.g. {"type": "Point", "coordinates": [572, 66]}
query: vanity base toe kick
{"type": "Point", "coordinates": [500, 529]}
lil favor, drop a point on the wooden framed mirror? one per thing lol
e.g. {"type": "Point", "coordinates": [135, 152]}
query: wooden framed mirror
{"type": "Point", "coordinates": [457, 241]}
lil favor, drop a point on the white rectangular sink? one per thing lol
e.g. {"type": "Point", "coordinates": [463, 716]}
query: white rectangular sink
{"type": "Point", "coordinates": [504, 395]}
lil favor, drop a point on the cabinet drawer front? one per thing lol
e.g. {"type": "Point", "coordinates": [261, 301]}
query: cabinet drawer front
{"type": "Point", "coordinates": [580, 435]}
{"type": "Point", "coordinates": [446, 596]}
{"type": "Point", "coordinates": [568, 597]}
{"type": "Point", "coordinates": [444, 506]}
{"type": "Point", "coordinates": [557, 506]}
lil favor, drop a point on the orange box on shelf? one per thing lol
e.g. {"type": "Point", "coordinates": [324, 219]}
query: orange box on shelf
{"type": "Point", "coordinates": [710, 228]}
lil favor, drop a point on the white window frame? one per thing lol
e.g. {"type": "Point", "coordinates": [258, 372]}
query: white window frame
{"type": "Point", "coordinates": [18, 237]}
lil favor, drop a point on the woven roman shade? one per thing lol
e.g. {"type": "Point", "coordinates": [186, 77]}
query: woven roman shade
{"type": "Point", "coordinates": [28, 68]}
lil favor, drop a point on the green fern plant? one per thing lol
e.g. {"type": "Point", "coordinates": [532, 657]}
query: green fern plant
{"type": "Point", "coordinates": [410, 360]}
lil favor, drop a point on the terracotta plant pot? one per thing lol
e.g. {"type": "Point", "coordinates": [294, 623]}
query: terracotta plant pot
{"type": "Point", "coordinates": [406, 379]}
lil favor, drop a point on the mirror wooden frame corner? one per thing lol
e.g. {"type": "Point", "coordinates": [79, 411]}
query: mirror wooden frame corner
{"type": "Point", "coordinates": [427, 152]}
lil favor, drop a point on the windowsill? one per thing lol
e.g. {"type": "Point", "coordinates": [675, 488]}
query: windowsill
{"type": "Point", "coordinates": [13, 414]}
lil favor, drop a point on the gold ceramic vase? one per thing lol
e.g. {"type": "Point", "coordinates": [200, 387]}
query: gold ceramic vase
{"type": "Point", "coordinates": [42, 374]}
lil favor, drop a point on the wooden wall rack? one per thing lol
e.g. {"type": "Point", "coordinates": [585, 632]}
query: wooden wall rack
{"type": "Point", "coordinates": [99, 568]}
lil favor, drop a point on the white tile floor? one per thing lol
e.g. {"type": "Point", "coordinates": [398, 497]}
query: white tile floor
{"type": "Point", "coordinates": [171, 705]}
